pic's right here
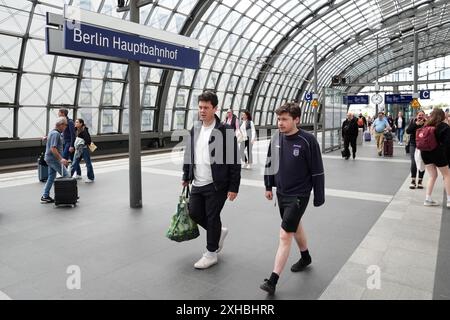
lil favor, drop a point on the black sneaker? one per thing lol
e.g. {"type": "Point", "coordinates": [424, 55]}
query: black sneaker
{"type": "Point", "coordinates": [419, 185]}
{"type": "Point", "coordinates": [300, 265]}
{"type": "Point", "coordinates": [268, 286]}
{"type": "Point", "coordinates": [47, 200]}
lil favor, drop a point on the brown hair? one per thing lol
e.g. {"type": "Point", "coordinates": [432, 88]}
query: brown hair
{"type": "Point", "coordinates": [290, 107]}
{"type": "Point", "coordinates": [249, 116]}
{"type": "Point", "coordinates": [436, 117]}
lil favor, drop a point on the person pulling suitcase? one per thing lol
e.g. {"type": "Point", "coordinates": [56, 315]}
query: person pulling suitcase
{"type": "Point", "coordinates": [54, 159]}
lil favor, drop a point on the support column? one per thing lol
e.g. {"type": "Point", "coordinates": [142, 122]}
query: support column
{"type": "Point", "coordinates": [316, 91]}
{"type": "Point", "coordinates": [416, 67]}
{"type": "Point", "coordinates": [135, 174]}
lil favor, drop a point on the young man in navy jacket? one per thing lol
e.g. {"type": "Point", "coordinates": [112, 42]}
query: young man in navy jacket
{"type": "Point", "coordinates": [212, 164]}
{"type": "Point", "coordinates": [294, 166]}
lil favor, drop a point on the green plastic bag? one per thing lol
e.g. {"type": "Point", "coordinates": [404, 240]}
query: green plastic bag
{"type": "Point", "coordinates": [182, 227]}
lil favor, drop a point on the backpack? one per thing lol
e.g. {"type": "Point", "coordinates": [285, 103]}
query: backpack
{"type": "Point", "coordinates": [360, 122]}
{"type": "Point", "coordinates": [426, 138]}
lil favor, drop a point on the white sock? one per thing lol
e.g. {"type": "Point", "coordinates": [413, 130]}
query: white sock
{"type": "Point", "coordinates": [210, 254]}
{"type": "Point", "coordinates": [448, 197]}
{"type": "Point", "coordinates": [428, 198]}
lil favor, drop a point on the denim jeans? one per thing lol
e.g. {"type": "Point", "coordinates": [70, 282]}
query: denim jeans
{"type": "Point", "coordinates": [87, 159]}
{"type": "Point", "coordinates": [400, 134]}
{"type": "Point", "coordinates": [53, 167]}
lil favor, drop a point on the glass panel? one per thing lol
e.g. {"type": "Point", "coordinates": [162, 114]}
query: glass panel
{"type": "Point", "coordinates": [112, 94]}
{"type": "Point", "coordinates": [109, 121]}
{"type": "Point", "coordinates": [6, 122]}
{"type": "Point", "coordinates": [125, 121]}
{"type": "Point", "coordinates": [63, 91]}
{"type": "Point", "coordinates": [90, 92]}
{"type": "Point", "coordinates": [178, 123]}
{"type": "Point", "coordinates": [94, 69]}
{"type": "Point", "coordinates": [14, 15]}
{"type": "Point", "coordinates": [7, 87]}
{"type": "Point", "coordinates": [38, 22]}
{"type": "Point", "coordinates": [9, 51]}
{"type": "Point", "coordinates": [155, 75]}
{"type": "Point", "coordinates": [192, 116]}
{"type": "Point", "coordinates": [118, 71]}
{"type": "Point", "coordinates": [147, 120]}
{"type": "Point", "coordinates": [67, 65]}
{"type": "Point", "coordinates": [34, 90]}
{"type": "Point", "coordinates": [182, 97]}
{"type": "Point", "coordinates": [176, 23]}
{"type": "Point", "coordinates": [186, 6]}
{"type": "Point", "coordinates": [32, 122]}
{"type": "Point", "coordinates": [167, 120]}
{"type": "Point", "coordinates": [159, 18]}
{"type": "Point", "coordinates": [36, 59]}
{"type": "Point", "coordinates": [171, 98]}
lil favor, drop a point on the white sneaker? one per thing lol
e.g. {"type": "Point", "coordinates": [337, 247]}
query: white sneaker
{"type": "Point", "coordinates": [75, 176]}
{"type": "Point", "coordinates": [88, 181]}
{"type": "Point", "coordinates": [223, 234]}
{"type": "Point", "coordinates": [448, 204]}
{"type": "Point", "coordinates": [430, 203]}
{"type": "Point", "coordinates": [206, 261]}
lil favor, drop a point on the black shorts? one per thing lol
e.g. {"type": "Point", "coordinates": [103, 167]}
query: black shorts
{"type": "Point", "coordinates": [437, 157]}
{"type": "Point", "coordinates": [291, 211]}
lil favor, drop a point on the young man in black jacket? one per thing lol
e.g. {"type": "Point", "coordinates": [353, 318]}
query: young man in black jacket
{"type": "Point", "coordinates": [294, 166]}
{"type": "Point", "coordinates": [211, 163]}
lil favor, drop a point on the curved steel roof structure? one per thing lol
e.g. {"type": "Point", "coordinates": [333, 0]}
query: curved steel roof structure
{"type": "Point", "coordinates": [255, 54]}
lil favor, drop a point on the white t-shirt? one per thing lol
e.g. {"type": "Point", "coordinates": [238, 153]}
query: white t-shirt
{"type": "Point", "coordinates": [202, 167]}
{"type": "Point", "coordinates": [400, 122]}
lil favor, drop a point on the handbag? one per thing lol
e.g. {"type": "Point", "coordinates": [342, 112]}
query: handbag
{"type": "Point", "coordinates": [182, 227]}
{"type": "Point", "coordinates": [92, 147]}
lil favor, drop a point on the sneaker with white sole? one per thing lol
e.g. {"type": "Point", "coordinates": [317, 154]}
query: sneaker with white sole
{"type": "Point", "coordinates": [206, 261]}
{"type": "Point", "coordinates": [223, 234]}
{"type": "Point", "coordinates": [429, 203]}
{"type": "Point", "coordinates": [75, 176]}
{"type": "Point", "coordinates": [88, 181]}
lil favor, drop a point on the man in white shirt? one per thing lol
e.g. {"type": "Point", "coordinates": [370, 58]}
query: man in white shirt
{"type": "Point", "coordinates": [211, 163]}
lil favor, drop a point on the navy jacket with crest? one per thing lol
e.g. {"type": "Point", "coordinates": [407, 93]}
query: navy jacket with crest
{"type": "Point", "coordinates": [294, 166]}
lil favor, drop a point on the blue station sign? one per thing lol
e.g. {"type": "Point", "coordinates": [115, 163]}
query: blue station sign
{"type": "Point", "coordinates": [97, 40]}
{"type": "Point", "coordinates": [425, 94]}
{"type": "Point", "coordinates": [308, 96]}
{"type": "Point", "coordinates": [397, 98]}
{"type": "Point", "coordinates": [361, 99]}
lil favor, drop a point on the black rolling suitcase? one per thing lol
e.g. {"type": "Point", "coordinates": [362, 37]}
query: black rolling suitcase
{"type": "Point", "coordinates": [66, 191]}
{"type": "Point", "coordinates": [42, 168]}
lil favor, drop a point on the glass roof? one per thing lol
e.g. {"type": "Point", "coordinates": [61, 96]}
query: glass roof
{"type": "Point", "coordinates": [255, 54]}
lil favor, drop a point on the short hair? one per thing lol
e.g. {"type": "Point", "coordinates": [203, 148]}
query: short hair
{"type": "Point", "coordinates": [209, 96]}
{"type": "Point", "coordinates": [64, 111]}
{"type": "Point", "coordinates": [60, 121]}
{"type": "Point", "coordinates": [290, 107]}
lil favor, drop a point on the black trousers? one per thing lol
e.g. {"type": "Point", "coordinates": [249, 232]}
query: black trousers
{"type": "Point", "coordinates": [246, 158]}
{"type": "Point", "coordinates": [352, 141]}
{"type": "Point", "coordinates": [205, 205]}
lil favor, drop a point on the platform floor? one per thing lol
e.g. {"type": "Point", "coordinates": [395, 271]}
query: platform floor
{"type": "Point", "coordinates": [370, 219]}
